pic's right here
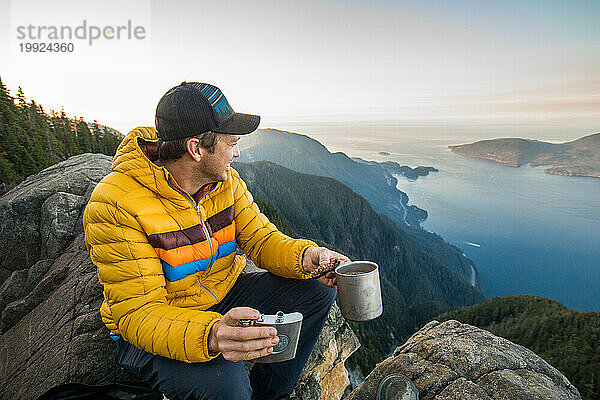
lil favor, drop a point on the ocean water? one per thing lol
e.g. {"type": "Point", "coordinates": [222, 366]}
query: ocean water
{"type": "Point", "coordinates": [527, 231]}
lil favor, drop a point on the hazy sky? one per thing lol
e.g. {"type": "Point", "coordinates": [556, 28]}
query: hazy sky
{"type": "Point", "coordinates": [305, 64]}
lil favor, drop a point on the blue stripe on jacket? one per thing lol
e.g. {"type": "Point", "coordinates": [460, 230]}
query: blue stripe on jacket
{"type": "Point", "coordinates": [181, 271]}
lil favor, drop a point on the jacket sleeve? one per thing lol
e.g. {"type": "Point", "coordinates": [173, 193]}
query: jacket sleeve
{"type": "Point", "coordinates": [134, 287]}
{"type": "Point", "coordinates": [261, 240]}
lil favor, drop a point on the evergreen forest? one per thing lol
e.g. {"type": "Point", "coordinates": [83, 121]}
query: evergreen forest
{"type": "Point", "coordinates": [32, 139]}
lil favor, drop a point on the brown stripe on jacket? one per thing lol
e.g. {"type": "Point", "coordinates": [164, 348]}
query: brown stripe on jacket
{"type": "Point", "coordinates": [221, 219]}
{"type": "Point", "coordinates": [172, 240]}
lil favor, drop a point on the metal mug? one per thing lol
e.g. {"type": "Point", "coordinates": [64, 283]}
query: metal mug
{"type": "Point", "coordinates": [359, 291]}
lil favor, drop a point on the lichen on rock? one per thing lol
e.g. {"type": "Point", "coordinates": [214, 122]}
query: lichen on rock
{"type": "Point", "coordinates": [452, 360]}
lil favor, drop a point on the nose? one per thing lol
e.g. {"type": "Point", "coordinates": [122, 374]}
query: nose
{"type": "Point", "coordinates": [236, 151]}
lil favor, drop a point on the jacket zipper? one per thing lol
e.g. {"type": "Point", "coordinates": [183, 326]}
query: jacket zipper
{"type": "Point", "coordinates": [197, 208]}
{"type": "Point", "coordinates": [210, 247]}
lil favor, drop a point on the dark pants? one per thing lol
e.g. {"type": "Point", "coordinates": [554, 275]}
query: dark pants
{"type": "Point", "coordinates": [222, 379]}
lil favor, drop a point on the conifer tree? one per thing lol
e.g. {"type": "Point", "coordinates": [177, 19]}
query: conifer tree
{"type": "Point", "coordinates": [31, 140]}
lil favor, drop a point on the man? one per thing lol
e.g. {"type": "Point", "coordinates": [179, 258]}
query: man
{"type": "Point", "coordinates": [163, 228]}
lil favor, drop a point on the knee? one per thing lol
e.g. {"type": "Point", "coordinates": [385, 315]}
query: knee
{"type": "Point", "coordinates": [229, 383]}
{"type": "Point", "coordinates": [215, 380]}
{"type": "Point", "coordinates": [330, 295]}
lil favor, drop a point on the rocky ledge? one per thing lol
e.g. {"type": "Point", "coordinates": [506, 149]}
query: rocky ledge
{"type": "Point", "coordinates": [452, 360]}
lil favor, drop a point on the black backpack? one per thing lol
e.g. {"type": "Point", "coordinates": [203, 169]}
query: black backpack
{"type": "Point", "coordinates": [103, 391]}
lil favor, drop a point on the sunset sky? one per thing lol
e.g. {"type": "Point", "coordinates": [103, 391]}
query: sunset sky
{"type": "Point", "coordinates": [304, 64]}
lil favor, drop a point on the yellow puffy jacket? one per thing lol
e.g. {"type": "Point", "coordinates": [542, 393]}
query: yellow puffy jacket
{"type": "Point", "coordinates": [162, 258]}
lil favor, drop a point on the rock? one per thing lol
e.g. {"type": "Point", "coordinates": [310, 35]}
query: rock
{"type": "Point", "coordinates": [19, 308]}
{"type": "Point", "coordinates": [50, 327]}
{"type": "Point", "coordinates": [21, 208]}
{"type": "Point", "coordinates": [325, 376]}
{"type": "Point", "coordinates": [20, 283]}
{"type": "Point", "coordinates": [60, 213]}
{"type": "Point", "coordinates": [60, 339]}
{"type": "Point", "coordinates": [451, 360]}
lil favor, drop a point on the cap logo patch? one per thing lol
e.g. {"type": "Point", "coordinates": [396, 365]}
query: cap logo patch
{"type": "Point", "coordinates": [217, 101]}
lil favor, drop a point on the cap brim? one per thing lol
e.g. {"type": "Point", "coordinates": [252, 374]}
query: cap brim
{"type": "Point", "coordinates": [239, 124]}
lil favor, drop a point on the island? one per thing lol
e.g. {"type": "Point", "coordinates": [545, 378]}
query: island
{"type": "Point", "coordinates": [384, 153]}
{"type": "Point", "coordinates": [579, 157]}
{"type": "Point", "coordinates": [409, 173]}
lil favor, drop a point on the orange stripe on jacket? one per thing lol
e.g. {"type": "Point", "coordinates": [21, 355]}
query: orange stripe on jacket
{"type": "Point", "coordinates": [226, 234]}
{"type": "Point", "coordinates": [186, 254]}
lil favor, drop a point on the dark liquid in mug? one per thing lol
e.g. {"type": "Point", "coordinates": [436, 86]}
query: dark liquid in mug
{"type": "Point", "coordinates": [355, 273]}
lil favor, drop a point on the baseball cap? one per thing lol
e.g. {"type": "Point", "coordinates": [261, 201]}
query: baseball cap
{"type": "Point", "coordinates": [193, 108]}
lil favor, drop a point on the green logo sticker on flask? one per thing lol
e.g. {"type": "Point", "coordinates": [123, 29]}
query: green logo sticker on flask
{"type": "Point", "coordinates": [283, 343]}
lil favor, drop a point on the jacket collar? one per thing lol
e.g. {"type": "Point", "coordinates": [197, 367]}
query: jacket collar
{"type": "Point", "coordinates": [135, 157]}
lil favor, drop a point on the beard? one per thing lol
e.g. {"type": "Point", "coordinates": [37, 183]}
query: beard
{"type": "Point", "coordinates": [210, 170]}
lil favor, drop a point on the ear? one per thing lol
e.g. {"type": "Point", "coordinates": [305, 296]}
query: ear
{"type": "Point", "coordinates": [194, 149]}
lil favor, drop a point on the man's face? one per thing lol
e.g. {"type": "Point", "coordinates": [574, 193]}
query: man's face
{"type": "Point", "coordinates": [214, 166]}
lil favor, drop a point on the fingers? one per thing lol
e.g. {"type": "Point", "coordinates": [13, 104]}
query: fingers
{"type": "Point", "coordinates": [249, 345]}
{"type": "Point", "coordinates": [328, 262]}
{"type": "Point", "coordinates": [231, 330]}
{"type": "Point", "coordinates": [245, 333]}
{"type": "Point", "coordinates": [330, 275]}
{"type": "Point", "coordinates": [250, 355]}
{"type": "Point", "coordinates": [317, 259]}
{"type": "Point", "coordinates": [344, 258]}
{"type": "Point", "coordinates": [232, 317]}
{"type": "Point", "coordinates": [338, 256]}
{"type": "Point", "coordinates": [244, 342]}
{"type": "Point", "coordinates": [332, 283]}
{"type": "Point", "coordinates": [326, 255]}
{"type": "Point", "coordinates": [236, 350]}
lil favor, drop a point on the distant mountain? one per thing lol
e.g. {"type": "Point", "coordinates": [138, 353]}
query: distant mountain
{"type": "Point", "coordinates": [416, 286]}
{"type": "Point", "coordinates": [580, 157]}
{"type": "Point", "coordinates": [304, 154]}
{"type": "Point", "coordinates": [372, 180]}
{"type": "Point", "coordinates": [567, 339]}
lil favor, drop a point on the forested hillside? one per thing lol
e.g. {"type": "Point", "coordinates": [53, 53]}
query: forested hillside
{"type": "Point", "coordinates": [31, 139]}
{"type": "Point", "coordinates": [567, 339]}
{"type": "Point", "coordinates": [371, 180]}
{"type": "Point", "coordinates": [415, 285]}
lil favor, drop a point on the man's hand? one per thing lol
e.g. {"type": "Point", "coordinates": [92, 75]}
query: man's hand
{"type": "Point", "coordinates": [241, 343]}
{"type": "Point", "coordinates": [314, 257]}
